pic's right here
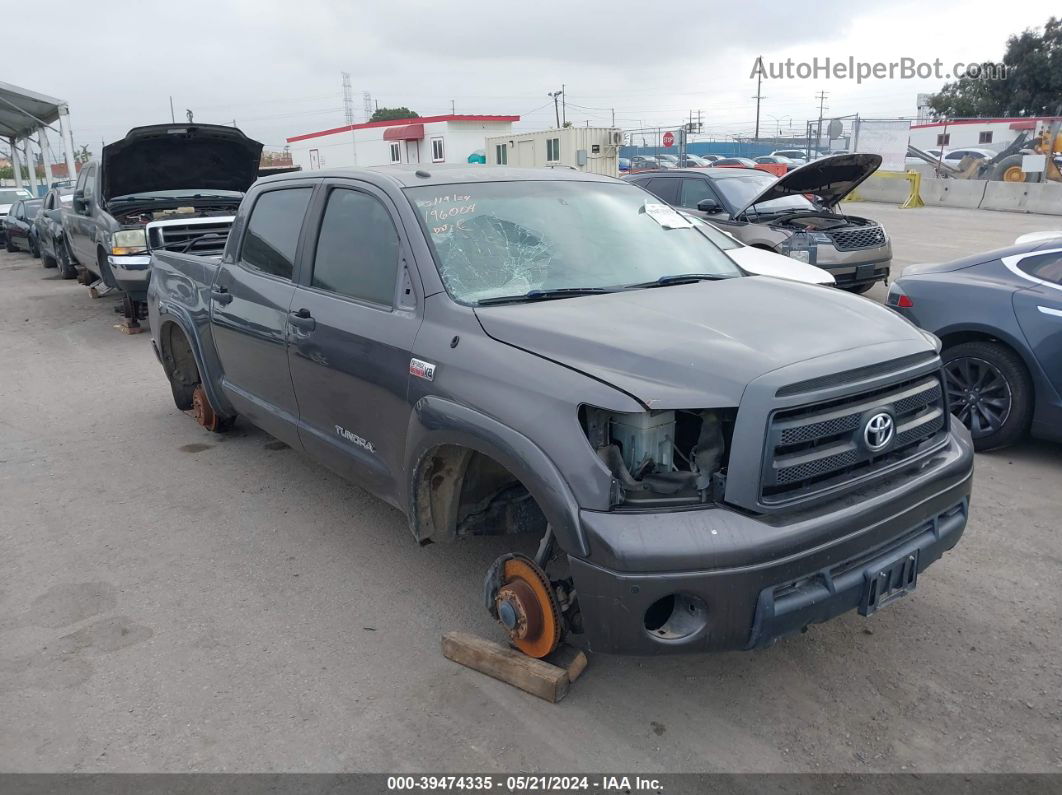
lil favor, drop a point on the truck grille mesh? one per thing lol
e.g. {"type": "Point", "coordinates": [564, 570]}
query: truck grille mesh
{"type": "Point", "coordinates": [863, 237]}
{"type": "Point", "coordinates": [175, 236]}
{"type": "Point", "coordinates": [822, 446]}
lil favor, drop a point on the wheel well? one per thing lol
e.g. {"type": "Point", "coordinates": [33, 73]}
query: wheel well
{"type": "Point", "coordinates": [959, 337]}
{"type": "Point", "coordinates": [177, 357]}
{"type": "Point", "coordinates": [462, 492]}
{"type": "Point", "coordinates": [762, 246]}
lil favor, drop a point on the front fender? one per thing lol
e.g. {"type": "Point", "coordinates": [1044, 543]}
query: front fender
{"type": "Point", "coordinates": [209, 367]}
{"type": "Point", "coordinates": [436, 421]}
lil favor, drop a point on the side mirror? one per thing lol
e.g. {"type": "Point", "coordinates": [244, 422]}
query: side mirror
{"type": "Point", "coordinates": [79, 202]}
{"type": "Point", "coordinates": [710, 206]}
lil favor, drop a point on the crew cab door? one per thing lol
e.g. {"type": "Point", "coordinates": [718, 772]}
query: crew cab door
{"type": "Point", "coordinates": [1039, 311]}
{"type": "Point", "coordinates": [80, 226]}
{"type": "Point", "coordinates": [354, 319]}
{"type": "Point", "coordinates": [249, 304]}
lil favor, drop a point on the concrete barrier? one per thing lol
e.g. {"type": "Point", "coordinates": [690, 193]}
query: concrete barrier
{"type": "Point", "coordinates": [1007, 196]}
{"type": "Point", "coordinates": [881, 189]}
{"type": "Point", "coordinates": [953, 192]}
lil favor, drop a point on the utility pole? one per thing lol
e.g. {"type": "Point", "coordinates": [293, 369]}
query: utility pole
{"type": "Point", "coordinates": [172, 119]}
{"type": "Point", "coordinates": [759, 97]}
{"type": "Point", "coordinates": [821, 97]}
{"type": "Point", "coordinates": [613, 117]}
{"type": "Point", "coordinates": [453, 108]}
{"type": "Point", "coordinates": [700, 125]}
{"type": "Point", "coordinates": [556, 110]}
{"type": "Point", "coordinates": [564, 105]}
{"type": "Point", "coordinates": [188, 113]}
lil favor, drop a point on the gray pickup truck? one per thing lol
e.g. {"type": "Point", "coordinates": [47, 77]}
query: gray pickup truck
{"type": "Point", "coordinates": [707, 460]}
{"type": "Point", "coordinates": [185, 178]}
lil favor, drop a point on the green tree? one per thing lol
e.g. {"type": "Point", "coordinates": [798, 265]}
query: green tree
{"type": "Point", "coordinates": [390, 114]}
{"type": "Point", "coordinates": [82, 155]}
{"type": "Point", "coordinates": [1032, 85]}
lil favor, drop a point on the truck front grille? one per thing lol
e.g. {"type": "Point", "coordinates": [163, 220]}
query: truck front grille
{"type": "Point", "coordinates": [176, 236]}
{"type": "Point", "coordinates": [822, 446]}
{"type": "Point", "coordinates": [861, 237]}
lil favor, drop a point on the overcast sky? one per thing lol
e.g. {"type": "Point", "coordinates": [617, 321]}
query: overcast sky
{"type": "Point", "coordinates": [275, 68]}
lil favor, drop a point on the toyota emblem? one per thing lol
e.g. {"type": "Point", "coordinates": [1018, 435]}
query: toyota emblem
{"type": "Point", "coordinates": [878, 431]}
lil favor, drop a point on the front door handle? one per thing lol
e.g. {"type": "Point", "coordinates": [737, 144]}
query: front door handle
{"type": "Point", "coordinates": [302, 319]}
{"type": "Point", "coordinates": [221, 295]}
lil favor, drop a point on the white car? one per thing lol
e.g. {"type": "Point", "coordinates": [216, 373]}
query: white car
{"type": "Point", "coordinates": [761, 262]}
{"type": "Point", "coordinates": [9, 196]}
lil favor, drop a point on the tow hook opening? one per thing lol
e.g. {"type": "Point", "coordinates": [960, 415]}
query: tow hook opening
{"type": "Point", "coordinates": [676, 616]}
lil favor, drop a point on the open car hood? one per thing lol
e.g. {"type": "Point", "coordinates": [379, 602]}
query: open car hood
{"type": "Point", "coordinates": [830, 179]}
{"type": "Point", "coordinates": [179, 157]}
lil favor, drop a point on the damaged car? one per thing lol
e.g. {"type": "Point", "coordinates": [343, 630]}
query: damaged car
{"type": "Point", "coordinates": [687, 458]}
{"type": "Point", "coordinates": [797, 215]}
{"type": "Point", "coordinates": [188, 179]}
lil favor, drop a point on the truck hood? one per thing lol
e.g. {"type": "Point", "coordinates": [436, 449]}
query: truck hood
{"type": "Point", "coordinates": [179, 157]}
{"type": "Point", "coordinates": [696, 345]}
{"type": "Point", "coordinates": [830, 179]}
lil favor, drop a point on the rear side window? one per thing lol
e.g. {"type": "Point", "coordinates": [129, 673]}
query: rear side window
{"type": "Point", "coordinates": [273, 231]}
{"type": "Point", "coordinates": [1044, 266]}
{"type": "Point", "coordinates": [357, 249]}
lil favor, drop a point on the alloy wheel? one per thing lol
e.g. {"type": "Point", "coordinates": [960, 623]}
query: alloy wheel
{"type": "Point", "coordinates": [979, 394]}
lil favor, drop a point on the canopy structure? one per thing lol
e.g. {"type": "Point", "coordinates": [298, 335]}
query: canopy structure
{"type": "Point", "coordinates": [25, 114]}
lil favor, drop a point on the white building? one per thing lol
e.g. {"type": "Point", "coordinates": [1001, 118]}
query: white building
{"type": "Point", "coordinates": [592, 149]}
{"type": "Point", "coordinates": [428, 139]}
{"type": "Point", "coordinates": [994, 134]}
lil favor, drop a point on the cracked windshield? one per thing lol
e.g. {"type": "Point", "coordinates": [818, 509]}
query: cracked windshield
{"type": "Point", "coordinates": [520, 239]}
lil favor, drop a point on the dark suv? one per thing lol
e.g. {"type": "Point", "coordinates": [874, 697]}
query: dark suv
{"type": "Point", "coordinates": [707, 460]}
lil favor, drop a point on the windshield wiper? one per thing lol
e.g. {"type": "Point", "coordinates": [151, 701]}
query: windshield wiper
{"type": "Point", "coordinates": [543, 295]}
{"type": "Point", "coordinates": [678, 278]}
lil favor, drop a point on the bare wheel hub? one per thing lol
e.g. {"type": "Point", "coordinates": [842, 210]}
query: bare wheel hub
{"type": "Point", "coordinates": [527, 609]}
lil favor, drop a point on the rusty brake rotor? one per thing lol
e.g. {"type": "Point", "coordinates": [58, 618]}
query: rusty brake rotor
{"type": "Point", "coordinates": [527, 608]}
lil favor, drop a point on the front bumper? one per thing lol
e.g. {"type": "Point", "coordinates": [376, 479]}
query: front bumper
{"type": "Point", "coordinates": [747, 580]}
{"type": "Point", "coordinates": [855, 266]}
{"type": "Point", "coordinates": [131, 274]}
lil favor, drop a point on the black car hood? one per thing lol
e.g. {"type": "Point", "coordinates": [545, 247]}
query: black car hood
{"type": "Point", "coordinates": [697, 345]}
{"type": "Point", "coordinates": [179, 157]}
{"type": "Point", "coordinates": [830, 179]}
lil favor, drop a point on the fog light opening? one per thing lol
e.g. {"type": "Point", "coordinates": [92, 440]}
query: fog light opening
{"type": "Point", "coordinates": [676, 616]}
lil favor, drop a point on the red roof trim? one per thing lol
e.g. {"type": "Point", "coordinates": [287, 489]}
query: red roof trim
{"type": "Point", "coordinates": [1012, 119]}
{"type": "Point", "coordinates": [393, 122]}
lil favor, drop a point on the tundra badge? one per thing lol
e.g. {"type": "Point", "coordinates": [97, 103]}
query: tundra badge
{"type": "Point", "coordinates": [422, 369]}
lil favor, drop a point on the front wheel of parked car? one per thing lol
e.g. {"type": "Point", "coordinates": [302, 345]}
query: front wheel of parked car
{"type": "Point", "coordinates": [64, 261]}
{"type": "Point", "coordinates": [11, 247]}
{"type": "Point", "coordinates": [989, 391]}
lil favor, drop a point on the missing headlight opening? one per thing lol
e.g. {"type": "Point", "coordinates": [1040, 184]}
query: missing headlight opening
{"type": "Point", "coordinates": [662, 457]}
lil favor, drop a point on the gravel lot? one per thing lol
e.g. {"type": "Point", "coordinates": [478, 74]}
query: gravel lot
{"type": "Point", "coordinates": [173, 600]}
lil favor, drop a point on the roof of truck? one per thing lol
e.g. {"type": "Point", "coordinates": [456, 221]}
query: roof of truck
{"type": "Point", "coordinates": [414, 174]}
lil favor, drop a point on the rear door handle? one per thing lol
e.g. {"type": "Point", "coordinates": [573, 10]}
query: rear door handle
{"type": "Point", "coordinates": [221, 295]}
{"type": "Point", "coordinates": [302, 319]}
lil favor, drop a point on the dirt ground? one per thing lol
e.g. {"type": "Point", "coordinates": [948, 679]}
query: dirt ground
{"type": "Point", "coordinates": [171, 600]}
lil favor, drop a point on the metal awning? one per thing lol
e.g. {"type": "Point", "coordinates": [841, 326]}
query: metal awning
{"type": "Point", "coordinates": [23, 111]}
{"type": "Point", "coordinates": [407, 132]}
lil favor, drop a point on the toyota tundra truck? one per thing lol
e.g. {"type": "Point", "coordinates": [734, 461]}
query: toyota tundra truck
{"type": "Point", "coordinates": [703, 459]}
